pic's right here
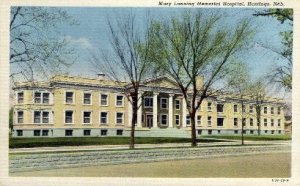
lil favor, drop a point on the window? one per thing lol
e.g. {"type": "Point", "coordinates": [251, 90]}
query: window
{"type": "Point", "coordinates": [235, 108]}
{"type": "Point", "coordinates": [20, 116]}
{"type": "Point", "coordinates": [36, 133]}
{"type": "Point", "coordinates": [46, 98]}
{"type": "Point", "coordinates": [279, 132]}
{"type": "Point", "coordinates": [119, 100]}
{"type": "Point", "coordinates": [103, 117]}
{"type": "Point", "coordinates": [104, 99]}
{"type": "Point", "coordinates": [220, 107]}
{"type": "Point", "coordinates": [68, 132]}
{"type": "Point", "coordinates": [45, 117]}
{"type": "Point", "coordinates": [209, 132]}
{"type": "Point", "coordinates": [251, 122]}
{"type": "Point", "coordinates": [69, 116]}
{"type": "Point", "coordinates": [265, 122]}
{"type": "Point", "coordinates": [219, 131]}
{"type": "Point", "coordinates": [266, 131]}
{"type": "Point", "coordinates": [272, 132]}
{"type": "Point", "coordinates": [278, 122]}
{"type": "Point", "coordinates": [243, 108]}
{"type": "Point", "coordinates": [265, 110]}
{"type": "Point", "coordinates": [244, 132]}
{"type": "Point", "coordinates": [251, 131]}
{"type": "Point", "coordinates": [251, 108]}
{"type": "Point", "coordinates": [272, 122]}
{"type": "Point", "coordinates": [37, 97]}
{"type": "Point", "coordinates": [20, 97]}
{"type": "Point", "coordinates": [244, 121]}
{"type": "Point", "coordinates": [119, 117]}
{"type": "Point", "coordinates": [87, 98]}
{"type": "Point", "coordinates": [148, 102]}
{"type": "Point", "coordinates": [209, 121]}
{"type": "Point", "coordinates": [199, 132]}
{"type": "Point", "coordinates": [235, 122]}
{"type": "Point", "coordinates": [87, 132]}
{"type": "Point", "coordinates": [198, 120]}
{"type": "Point", "coordinates": [188, 120]}
{"type": "Point", "coordinates": [208, 106]}
{"type": "Point", "coordinates": [163, 103]}
{"type": "Point", "coordinates": [119, 132]}
{"type": "Point", "coordinates": [220, 122]}
{"type": "Point", "coordinates": [37, 117]}
{"type": "Point", "coordinates": [163, 119]}
{"type": "Point", "coordinates": [177, 120]}
{"type": "Point", "coordinates": [87, 117]}
{"type": "Point", "coordinates": [41, 97]}
{"type": "Point", "coordinates": [103, 132]}
{"type": "Point", "coordinates": [45, 132]}
{"type": "Point", "coordinates": [272, 110]}
{"type": "Point", "coordinates": [19, 132]}
{"type": "Point", "coordinates": [177, 104]}
{"type": "Point", "coordinates": [236, 131]}
{"type": "Point", "coordinates": [278, 111]}
{"type": "Point", "coordinates": [69, 97]}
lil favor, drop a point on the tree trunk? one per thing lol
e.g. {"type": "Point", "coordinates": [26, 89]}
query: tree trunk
{"type": "Point", "coordinates": [133, 122]}
{"type": "Point", "coordinates": [242, 132]}
{"type": "Point", "coordinates": [193, 125]}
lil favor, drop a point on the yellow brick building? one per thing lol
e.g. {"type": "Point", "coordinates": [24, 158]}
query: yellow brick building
{"type": "Point", "coordinates": [77, 106]}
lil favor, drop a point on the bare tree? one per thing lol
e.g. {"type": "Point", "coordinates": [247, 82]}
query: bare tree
{"type": "Point", "coordinates": [259, 95]}
{"type": "Point", "coordinates": [34, 45]}
{"type": "Point", "coordinates": [193, 46]}
{"type": "Point", "coordinates": [239, 84]}
{"type": "Point", "coordinates": [128, 61]}
{"type": "Point", "coordinates": [283, 73]}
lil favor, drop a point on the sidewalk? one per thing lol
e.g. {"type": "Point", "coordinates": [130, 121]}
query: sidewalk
{"type": "Point", "coordinates": [140, 146]}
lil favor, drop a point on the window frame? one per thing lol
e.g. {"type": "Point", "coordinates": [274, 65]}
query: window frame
{"type": "Point", "coordinates": [18, 97]}
{"type": "Point", "coordinates": [235, 108]}
{"type": "Point", "coordinates": [265, 110]}
{"type": "Point", "coordinates": [122, 118]}
{"type": "Point", "coordinates": [84, 99]}
{"type": "Point", "coordinates": [119, 95]}
{"type": "Point", "coordinates": [222, 110]}
{"type": "Point", "coordinates": [161, 103]}
{"type": "Point", "coordinates": [199, 121]}
{"type": "Point", "coordinates": [18, 116]}
{"type": "Point", "coordinates": [209, 106]}
{"type": "Point", "coordinates": [148, 98]}
{"type": "Point", "coordinates": [73, 97]}
{"type": "Point", "coordinates": [161, 119]}
{"type": "Point", "coordinates": [73, 112]}
{"type": "Point", "coordinates": [100, 117]}
{"type": "Point", "coordinates": [265, 122]}
{"type": "Point", "coordinates": [177, 103]}
{"type": "Point", "coordinates": [235, 122]}
{"type": "Point", "coordinates": [90, 117]}
{"type": "Point", "coordinates": [177, 120]}
{"type": "Point", "coordinates": [107, 99]}
{"type": "Point", "coordinates": [67, 134]}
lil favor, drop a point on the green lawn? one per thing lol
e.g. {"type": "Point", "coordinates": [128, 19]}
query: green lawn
{"type": "Point", "coordinates": [79, 141]}
{"type": "Point", "coordinates": [251, 137]}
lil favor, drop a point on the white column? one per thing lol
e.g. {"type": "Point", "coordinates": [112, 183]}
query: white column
{"type": "Point", "coordinates": [183, 112]}
{"type": "Point", "coordinates": [139, 112]}
{"type": "Point", "coordinates": [171, 110]}
{"type": "Point", "coordinates": [129, 111]}
{"type": "Point", "coordinates": [155, 109]}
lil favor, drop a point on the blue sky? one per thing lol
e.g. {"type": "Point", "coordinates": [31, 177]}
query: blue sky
{"type": "Point", "coordinates": [92, 34]}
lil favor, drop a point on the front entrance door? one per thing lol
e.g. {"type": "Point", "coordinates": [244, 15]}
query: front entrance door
{"type": "Point", "coordinates": [149, 120]}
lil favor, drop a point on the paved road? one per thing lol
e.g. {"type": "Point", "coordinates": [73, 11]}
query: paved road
{"type": "Point", "coordinates": [275, 165]}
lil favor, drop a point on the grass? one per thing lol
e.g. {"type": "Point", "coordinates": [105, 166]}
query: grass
{"type": "Point", "coordinates": [252, 137]}
{"type": "Point", "coordinates": [80, 141]}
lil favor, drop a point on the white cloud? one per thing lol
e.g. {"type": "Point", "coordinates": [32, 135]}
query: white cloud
{"type": "Point", "coordinates": [81, 41]}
